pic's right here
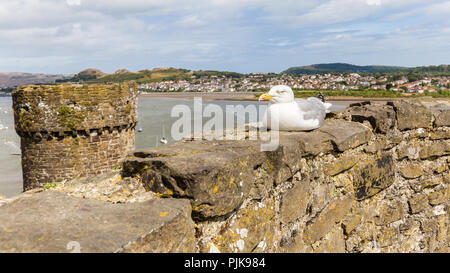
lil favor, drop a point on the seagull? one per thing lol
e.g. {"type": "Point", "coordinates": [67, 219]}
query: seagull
{"type": "Point", "coordinates": [293, 115]}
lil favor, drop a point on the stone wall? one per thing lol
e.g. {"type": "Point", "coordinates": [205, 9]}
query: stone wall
{"type": "Point", "coordinates": [69, 130]}
{"type": "Point", "coordinates": [373, 178]}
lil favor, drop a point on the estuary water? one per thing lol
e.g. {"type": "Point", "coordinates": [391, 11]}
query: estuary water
{"type": "Point", "coordinates": [155, 120]}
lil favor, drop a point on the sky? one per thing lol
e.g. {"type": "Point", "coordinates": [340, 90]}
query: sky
{"type": "Point", "coordinates": [67, 36]}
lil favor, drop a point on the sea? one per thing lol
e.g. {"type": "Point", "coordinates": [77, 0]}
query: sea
{"type": "Point", "coordinates": [154, 119]}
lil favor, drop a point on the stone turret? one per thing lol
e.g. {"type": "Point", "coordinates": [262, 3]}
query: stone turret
{"type": "Point", "coordinates": [69, 131]}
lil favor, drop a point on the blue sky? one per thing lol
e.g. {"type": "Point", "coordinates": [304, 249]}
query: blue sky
{"type": "Point", "coordinates": [66, 36]}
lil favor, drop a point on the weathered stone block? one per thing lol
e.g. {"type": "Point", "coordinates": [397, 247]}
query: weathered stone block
{"type": "Point", "coordinates": [394, 137]}
{"type": "Point", "coordinates": [435, 149]}
{"type": "Point", "coordinates": [410, 171]}
{"type": "Point", "coordinates": [313, 143]}
{"type": "Point", "coordinates": [423, 183]}
{"type": "Point", "coordinates": [440, 110]}
{"type": "Point", "coordinates": [418, 203]}
{"type": "Point", "coordinates": [381, 117]}
{"type": "Point", "coordinates": [216, 178]}
{"type": "Point", "coordinates": [53, 222]}
{"type": "Point", "coordinates": [326, 220]}
{"type": "Point", "coordinates": [408, 149]}
{"type": "Point", "coordinates": [249, 230]}
{"type": "Point", "coordinates": [294, 202]}
{"type": "Point", "coordinates": [440, 134]}
{"type": "Point", "coordinates": [439, 196]}
{"type": "Point", "coordinates": [346, 135]}
{"type": "Point", "coordinates": [372, 176]}
{"type": "Point", "coordinates": [294, 244]}
{"type": "Point", "coordinates": [441, 167]}
{"type": "Point", "coordinates": [390, 212]}
{"type": "Point", "coordinates": [340, 165]}
{"type": "Point", "coordinates": [411, 115]}
{"type": "Point", "coordinates": [351, 221]}
{"type": "Point", "coordinates": [333, 242]}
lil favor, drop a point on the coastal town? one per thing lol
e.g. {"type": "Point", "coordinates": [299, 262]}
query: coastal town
{"type": "Point", "coordinates": [228, 82]}
{"type": "Point", "coordinates": [259, 81]}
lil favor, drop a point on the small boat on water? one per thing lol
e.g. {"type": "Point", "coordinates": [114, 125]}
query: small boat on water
{"type": "Point", "coordinates": [163, 140]}
{"type": "Point", "coordinates": [140, 130]}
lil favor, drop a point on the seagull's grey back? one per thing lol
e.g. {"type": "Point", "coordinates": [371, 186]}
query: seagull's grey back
{"type": "Point", "coordinates": [312, 108]}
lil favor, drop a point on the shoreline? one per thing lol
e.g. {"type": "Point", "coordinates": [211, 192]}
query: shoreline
{"type": "Point", "coordinates": [206, 96]}
{"type": "Point", "coordinates": [249, 96]}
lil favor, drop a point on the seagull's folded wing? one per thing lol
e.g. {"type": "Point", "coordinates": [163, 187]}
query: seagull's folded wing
{"type": "Point", "coordinates": [312, 108]}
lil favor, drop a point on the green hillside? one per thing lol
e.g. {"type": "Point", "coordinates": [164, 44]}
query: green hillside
{"type": "Point", "coordinates": [341, 68]}
{"type": "Point", "coordinates": [146, 76]}
{"type": "Point", "coordinates": [441, 70]}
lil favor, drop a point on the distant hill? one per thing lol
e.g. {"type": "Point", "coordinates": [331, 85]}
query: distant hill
{"type": "Point", "coordinates": [144, 76]}
{"type": "Point", "coordinates": [441, 70]}
{"type": "Point", "coordinates": [341, 68]}
{"type": "Point", "coordinates": [14, 79]}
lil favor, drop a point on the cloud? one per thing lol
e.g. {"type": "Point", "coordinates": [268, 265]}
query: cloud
{"type": "Point", "coordinates": [73, 2]}
{"type": "Point", "coordinates": [373, 2]}
{"type": "Point", "coordinates": [191, 21]}
{"type": "Point", "coordinates": [239, 35]}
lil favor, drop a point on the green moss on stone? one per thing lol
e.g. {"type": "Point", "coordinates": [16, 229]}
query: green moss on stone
{"type": "Point", "coordinates": [70, 118]}
{"type": "Point", "coordinates": [26, 120]}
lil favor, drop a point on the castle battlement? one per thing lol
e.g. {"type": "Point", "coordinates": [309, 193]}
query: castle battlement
{"type": "Point", "coordinates": [71, 130]}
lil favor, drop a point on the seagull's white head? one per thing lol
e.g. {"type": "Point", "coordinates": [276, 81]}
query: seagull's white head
{"type": "Point", "coordinates": [279, 94]}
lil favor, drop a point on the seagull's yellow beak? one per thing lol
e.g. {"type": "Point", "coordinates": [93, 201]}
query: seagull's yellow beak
{"type": "Point", "coordinates": [265, 96]}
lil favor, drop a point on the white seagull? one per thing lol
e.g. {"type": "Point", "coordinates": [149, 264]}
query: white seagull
{"type": "Point", "coordinates": [293, 115]}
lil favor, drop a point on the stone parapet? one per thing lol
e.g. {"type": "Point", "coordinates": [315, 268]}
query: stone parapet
{"type": "Point", "coordinates": [71, 130]}
{"type": "Point", "coordinates": [49, 109]}
{"type": "Point", "coordinates": [374, 178]}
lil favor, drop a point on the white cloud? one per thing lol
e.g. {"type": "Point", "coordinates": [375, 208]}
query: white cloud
{"type": "Point", "coordinates": [146, 33]}
{"type": "Point", "coordinates": [373, 2]}
{"type": "Point", "coordinates": [191, 21]}
{"type": "Point", "coordinates": [73, 2]}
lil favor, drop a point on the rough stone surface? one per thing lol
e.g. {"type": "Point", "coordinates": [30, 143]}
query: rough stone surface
{"type": "Point", "coordinates": [54, 222]}
{"type": "Point", "coordinates": [411, 115]}
{"type": "Point", "coordinates": [327, 219]}
{"type": "Point", "coordinates": [418, 203]}
{"type": "Point", "coordinates": [381, 117]}
{"type": "Point", "coordinates": [313, 143]}
{"type": "Point", "coordinates": [441, 112]}
{"type": "Point", "coordinates": [341, 165]}
{"type": "Point", "coordinates": [435, 149]}
{"type": "Point", "coordinates": [294, 202]}
{"type": "Point", "coordinates": [372, 176]}
{"type": "Point", "coordinates": [251, 229]}
{"type": "Point", "coordinates": [354, 185]}
{"type": "Point", "coordinates": [69, 130]}
{"type": "Point", "coordinates": [217, 180]}
{"type": "Point", "coordinates": [440, 134]}
{"type": "Point", "coordinates": [411, 171]}
{"type": "Point", "coordinates": [357, 184]}
{"type": "Point", "coordinates": [346, 135]}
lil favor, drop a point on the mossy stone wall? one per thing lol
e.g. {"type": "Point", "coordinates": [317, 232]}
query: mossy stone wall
{"type": "Point", "coordinates": [72, 130]}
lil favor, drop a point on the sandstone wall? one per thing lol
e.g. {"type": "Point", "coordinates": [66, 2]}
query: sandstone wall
{"type": "Point", "coordinates": [69, 131]}
{"type": "Point", "coordinates": [373, 178]}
